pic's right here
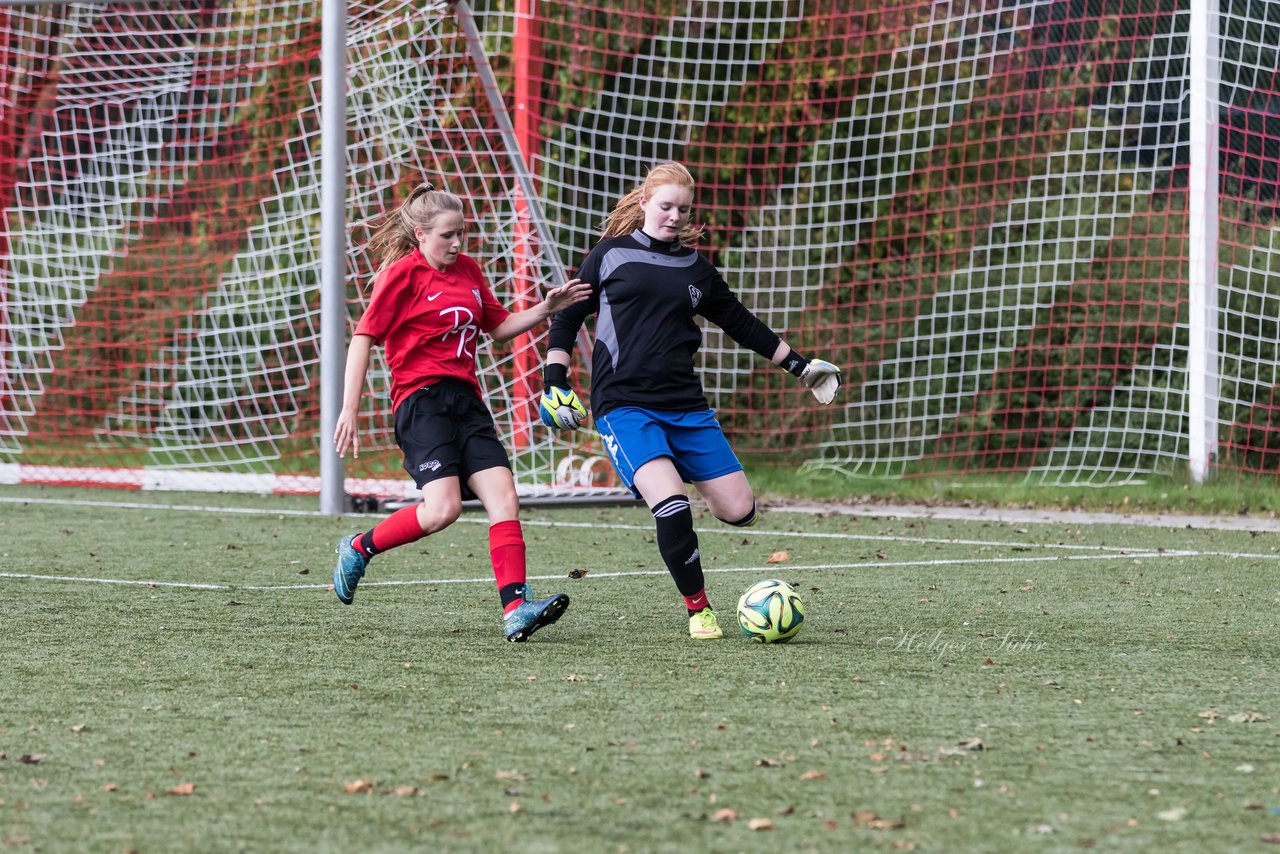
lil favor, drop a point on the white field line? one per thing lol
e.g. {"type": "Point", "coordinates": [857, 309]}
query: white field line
{"type": "Point", "coordinates": [730, 531]}
{"type": "Point", "coordinates": [774, 569]}
{"type": "Point", "coordinates": [873, 511]}
{"type": "Point", "coordinates": [1100, 552]}
{"type": "Point", "coordinates": [1039, 517]}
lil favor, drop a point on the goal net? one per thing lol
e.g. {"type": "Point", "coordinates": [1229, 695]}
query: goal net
{"type": "Point", "coordinates": [981, 211]}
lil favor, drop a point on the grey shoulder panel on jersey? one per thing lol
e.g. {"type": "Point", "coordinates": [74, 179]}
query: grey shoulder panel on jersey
{"type": "Point", "coordinates": [619, 255]}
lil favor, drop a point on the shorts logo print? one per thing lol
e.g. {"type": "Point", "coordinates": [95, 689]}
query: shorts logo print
{"type": "Point", "coordinates": [432, 465]}
{"type": "Point", "coordinates": [610, 445]}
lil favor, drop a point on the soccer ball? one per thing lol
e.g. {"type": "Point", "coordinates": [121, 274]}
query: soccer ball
{"type": "Point", "coordinates": [771, 611]}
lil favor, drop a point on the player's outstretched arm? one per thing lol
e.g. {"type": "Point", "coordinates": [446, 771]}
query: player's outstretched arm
{"type": "Point", "coordinates": [556, 300]}
{"type": "Point", "coordinates": [346, 434]}
{"type": "Point", "coordinates": [560, 408]}
{"type": "Point", "coordinates": [818, 375]}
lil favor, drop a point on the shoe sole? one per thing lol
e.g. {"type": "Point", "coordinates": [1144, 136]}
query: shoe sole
{"type": "Point", "coordinates": [548, 616]}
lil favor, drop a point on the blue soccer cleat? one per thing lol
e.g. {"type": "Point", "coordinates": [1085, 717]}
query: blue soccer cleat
{"type": "Point", "coordinates": [349, 571]}
{"type": "Point", "coordinates": [531, 615]}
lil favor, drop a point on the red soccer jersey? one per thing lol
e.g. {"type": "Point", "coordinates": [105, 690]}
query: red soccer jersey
{"type": "Point", "coordinates": [427, 321]}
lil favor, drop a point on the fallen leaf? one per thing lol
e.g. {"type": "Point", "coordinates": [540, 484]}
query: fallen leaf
{"type": "Point", "coordinates": [79, 727]}
{"type": "Point", "coordinates": [1272, 839]}
{"type": "Point", "coordinates": [972, 744]}
{"type": "Point", "coordinates": [406, 791]}
{"type": "Point", "coordinates": [700, 774]}
{"type": "Point", "coordinates": [760, 824]}
{"type": "Point", "coordinates": [31, 758]}
{"type": "Point", "coordinates": [577, 573]}
{"type": "Point", "coordinates": [813, 775]}
{"type": "Point", "coordinates": [1174, 814]}
{"type": "Point", "coordinates": [110, 787]}
{"type": "Point", "coordinates": [768, 763]}
{"type": "Point", "coordinates": [725, 815]}
{"type": "Point", "coordinates": [183, 789]}
{"type": "Point", "coordinates": [510, 775]}
{"type": "Point", "coordinates": [514, 808]}
{"type": "Point", "coordinates": [1249, 717]}
{"type": "Point", "coordinates": [357, 786]}
{"type": "Point", "coordinates": [1210, 715]}
{"type": "Point", "coordinates": [778, 557]}
{"type": "Point", "coordinates": [573, 677]}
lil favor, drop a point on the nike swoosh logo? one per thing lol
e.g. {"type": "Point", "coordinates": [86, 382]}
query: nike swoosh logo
{"type": "Point", "coordinates": [433, 296]}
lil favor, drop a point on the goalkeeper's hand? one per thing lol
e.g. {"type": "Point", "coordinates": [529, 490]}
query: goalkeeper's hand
{"type": "Point", "coordinates": [822, 378]}
{"type": "Point", "coordinates": [818, 375]}
{"type": "Point", "coordinates": [561, 410]}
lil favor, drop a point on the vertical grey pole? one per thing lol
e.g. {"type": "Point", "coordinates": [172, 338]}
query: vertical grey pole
{"type": "Point", "coordinates": [475, 47]}
{"type": "Point", "coordinates": [1202, 252]}
{"type": "Point", "coordinates": [333, 246]}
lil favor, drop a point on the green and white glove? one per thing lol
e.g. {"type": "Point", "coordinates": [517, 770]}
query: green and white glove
{"type": "Point", "coordinates": [818, 375]}
{"type": "Point", "coordinates": [560, 408]}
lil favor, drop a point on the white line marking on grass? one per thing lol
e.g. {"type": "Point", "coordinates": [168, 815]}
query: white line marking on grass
{"type": "Point", "coordinates": [1037, 517]}
{"type": "Point", "coordinates": [129, 505]}
{"type": "Point", "coordinates": [822, 535]}
{"type": "Point", "coordinates": [775, 569]}
{"type": "Point", "coordinates": [874, 511]}
{"type": "Point", "coordinates": [193, 585]}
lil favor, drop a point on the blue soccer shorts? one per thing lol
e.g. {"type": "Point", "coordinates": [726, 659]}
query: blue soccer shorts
{"type": "Point", "coordinates": [693, 440]}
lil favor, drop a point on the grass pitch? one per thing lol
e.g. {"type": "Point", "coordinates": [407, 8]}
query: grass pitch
{"type": "Point", "coordinates": [182, 679]}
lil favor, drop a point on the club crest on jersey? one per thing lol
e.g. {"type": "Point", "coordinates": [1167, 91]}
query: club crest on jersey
{"type": "Point", "coordinates": [695, 295]}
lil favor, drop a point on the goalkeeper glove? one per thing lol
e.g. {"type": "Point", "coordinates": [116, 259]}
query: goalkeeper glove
{"type": "Point", "coordinates": [560, 408]}
{"type": "Point", "coordinates": [819, 376]}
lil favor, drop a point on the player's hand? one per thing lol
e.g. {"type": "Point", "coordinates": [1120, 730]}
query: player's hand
{"type": "Point", "coordinates": [574, 290]}
{"type": "Point", "coordinates": [346, 436]}
{"type": "Point", "coordinates": [822, 378]}
{"type": "Point", "coordinates": [561, 410]}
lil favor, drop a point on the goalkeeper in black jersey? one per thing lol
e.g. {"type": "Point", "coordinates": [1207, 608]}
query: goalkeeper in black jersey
{"type": "Point", "coordinates": [648, 284]}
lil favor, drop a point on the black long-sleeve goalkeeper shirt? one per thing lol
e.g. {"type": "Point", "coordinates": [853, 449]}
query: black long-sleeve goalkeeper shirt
{"type": "Point", "coordinates": [646, 294]}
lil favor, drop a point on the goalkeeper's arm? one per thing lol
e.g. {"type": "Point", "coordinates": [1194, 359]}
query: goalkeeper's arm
{"type": "Point", "coordinates": [818, 375]}
{"type": "Point", "coordinates": [560, 407]}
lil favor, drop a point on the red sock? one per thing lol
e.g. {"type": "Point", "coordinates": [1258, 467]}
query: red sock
{"type": "Point", "coordinates": [399, 528]}
{"type": "Point", "coordinates": [697, 601]}
{"type": "Point", "coordinates": [506, 549]}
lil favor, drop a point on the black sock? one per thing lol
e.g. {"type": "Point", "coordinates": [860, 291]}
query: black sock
{"type": "Point", "coordinates": [678, 544]}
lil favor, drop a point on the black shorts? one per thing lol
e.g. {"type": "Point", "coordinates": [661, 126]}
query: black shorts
{"type": "Point", "coordinates": [445, 430]}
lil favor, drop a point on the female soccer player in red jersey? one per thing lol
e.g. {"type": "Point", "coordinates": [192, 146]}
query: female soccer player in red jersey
{"type": "Point", "coordinates": [647, 286]}
{"type": "Point", "coordinates": [430, 303]}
